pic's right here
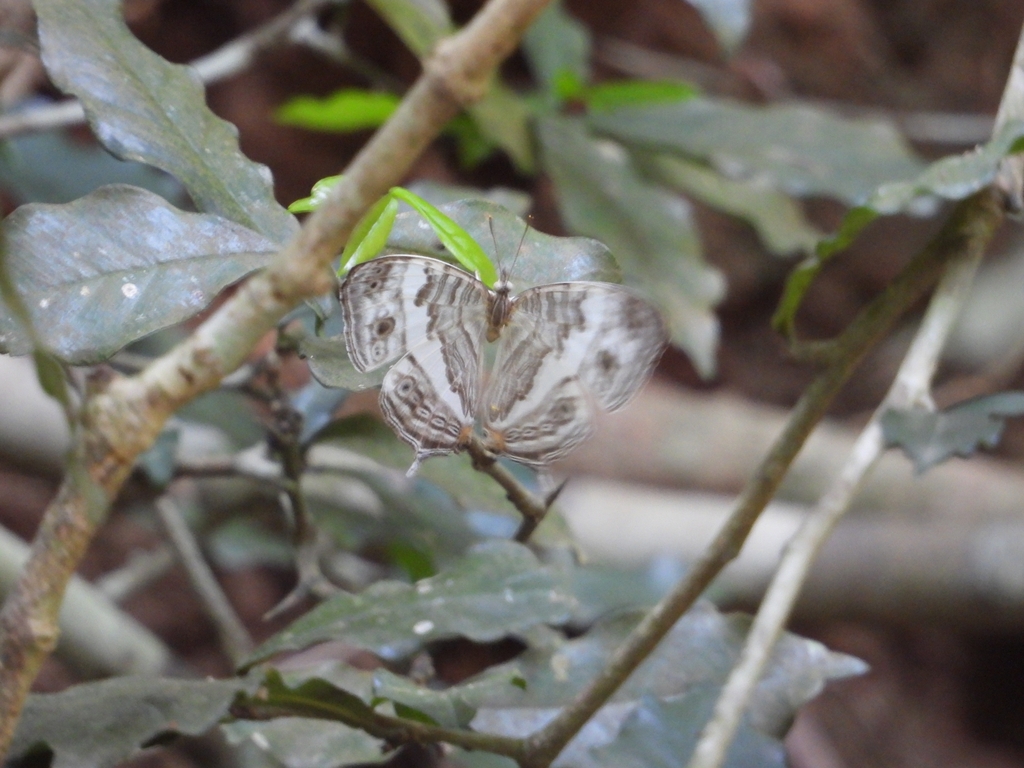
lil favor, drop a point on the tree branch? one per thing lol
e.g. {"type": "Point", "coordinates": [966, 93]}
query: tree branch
{"type": "Point", "coordinates": [123, 420]}
{"type": "Point", "coordinates": [968, 230]}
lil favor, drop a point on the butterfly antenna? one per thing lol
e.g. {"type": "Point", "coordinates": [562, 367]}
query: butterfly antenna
{"type": "Point", "coordinates": [494, 239]}
{"type": "Point", "coordinates": [519, 247]}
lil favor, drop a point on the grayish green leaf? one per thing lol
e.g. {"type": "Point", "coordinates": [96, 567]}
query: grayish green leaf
{"type": "Point", "coordinates": [728, 19]}
{"type": "Point", "coordinates": [930, 437]}
{"type": "Point", "coordinates": [498, 589]}
{"type": "Point", "coordinates": [647, 228]}
{"type": "Point", "coordinates": [504, 118]}
{"type": "Point", "coordinates": [465, 759]}
{"type": "Point", "coordinates": [541, 258]}
{"type": "Point", "coordinates": [557, 43]}
{"type": "Point", "coordinates": [452, 707]}
{"type": "Point", "coordinates": [144, 108]}
{"type": "Point", "coordinates": [663, 734]}
{"type": "Point", "coordinates": [50, 167]}
{"type": "Point", "coordinates": [777, 218]}
{"type": "Point", "coordinates": [951, 178]}
{"type": "Point", "coordinates": [800, 150]}
{"type": "Point", "coordinates": [93, 725]}
{"type": "Point", "coordinates": [105, 270]}
{"type": "Point", "coordinates": [299, 742]}
{"type": "Point", "coordinates": [701, 649]}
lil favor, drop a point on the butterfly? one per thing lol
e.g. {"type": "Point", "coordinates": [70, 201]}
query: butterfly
{"type": "Point", "coordinates": [560, 351]}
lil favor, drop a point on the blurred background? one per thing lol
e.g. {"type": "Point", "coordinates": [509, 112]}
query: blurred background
{"type": "Point", "coordinates": [924, 580]}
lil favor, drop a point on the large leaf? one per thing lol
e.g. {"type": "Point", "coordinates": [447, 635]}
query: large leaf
{"type": "Point", "coordinates": [100, 724]}
{"type": "Point", "coordinates": [499, 589]}
{"type": "Point", "coordinates": [144, 108]}
{"type": "Point", "coordinates": [777, 218]}
{"type": "Point", "coordinates": [699, 652]}
{"type": "Point", "coordinates": [952, 178]}
{"type": "Point", "coordinates": [930, 437]}
{"type": "Point", "coordinates": [299, 742]}
{"type": "Point", "coordinates": [647, 228]}
{"type": "Point", "coordinates": [51, 167]}
{"type": "Point", "coordinates": [797, 149]}
{"type": "Point", "coordinates": [663, 734]}
{"type": "Point", "coordinates": [116, 265]}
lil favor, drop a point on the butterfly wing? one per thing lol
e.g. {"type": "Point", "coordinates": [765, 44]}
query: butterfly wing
{"type": "Point", "coordinates": [434, 317]}
{"type": "Point", "coordinates": [567, 347]}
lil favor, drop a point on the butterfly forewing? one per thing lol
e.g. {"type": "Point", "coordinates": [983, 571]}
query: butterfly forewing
{"type": "Point", "coordinates": [567, 347]}
{"type": "Point", "coordinates": [434, 317]}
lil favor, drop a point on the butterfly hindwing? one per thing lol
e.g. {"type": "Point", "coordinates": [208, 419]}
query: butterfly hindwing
{"type": "Point", "coordinates": [566, 348]}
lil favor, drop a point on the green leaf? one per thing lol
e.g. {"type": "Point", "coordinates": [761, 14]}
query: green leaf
{"type": "Point", "coordinates": [728, 19]}
{"type": "Point", "coordinates": [777, 218]}
{"type": "Point", "coordinates": [344, 111]}
{"type": "Point", "coordinates": [459, 243]}
{"type": "Point", "coordinates": [55, 167]}
{"type": "Point", "coordinates": [796, 149]}
{"type": "Point", "coordinates": [499, 589]}
{"type": "Point", "coordinates": [298, 742]}
{"type": "Point", "coordinates": [699, 652]}
{"type": "Point", "coordinates": [370, 234]}
{"type": "Point", "coordinates": [105, 270]}
{"type": "Point", "coordinates": [615, 94]}
{"type": "Point", "coordinates": [952, 178]}
{"type": "Point", "coordinates": [419, 23]}
{"type": "Point", "coordinates": [663, 734]}
{"type": "Point", "coordinates": [930, 437]}
{"type": "Point", "coordinates": [538, 258]}
{"type": "Point", "coordinates": [317, 196]}
{"type": "Point", "coordinates": [557, 46]}
{"type": "Point", "coordinates": [515, 201]}
{"type": "Point", "coordinates": [647, 228]}
{"type": "Point", "coordinates": [700, 649]}
{"type": "Point", "coordinates": [144, 108]}
{"type": "Point", "coordinates": [452, 707]}
{"type": "Point", "coordinates": [93, 725]}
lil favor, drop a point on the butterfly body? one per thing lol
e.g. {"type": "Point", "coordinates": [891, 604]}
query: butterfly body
{"type": "Point", "coordinates": [562, 350]}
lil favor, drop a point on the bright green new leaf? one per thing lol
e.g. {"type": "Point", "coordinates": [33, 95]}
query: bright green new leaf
{"type": "Point", "coordinates": [458, 242]}
{"type": "Point", "coordinates": [370, 234]}
{"type": "Point", "coordinates": [317, 196]}
{"type": "Point", "coordinates": [635, 93]}
{"type": "Point", "coordinates": [344, 111]}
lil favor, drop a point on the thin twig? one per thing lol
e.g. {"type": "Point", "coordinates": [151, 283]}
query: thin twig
{"type": "Point", "coordinates": [968, 229]}
{"type": "Point", "coordinates": [228, 60]}
{"type": "Point", "coordinates": [141, 570]}
{"type": "Point", "coordinates": [234, 638]}
{"type": "Point", "coordinates": [530, 506]}
{"type": "Point", "coordinates": [911, 387]}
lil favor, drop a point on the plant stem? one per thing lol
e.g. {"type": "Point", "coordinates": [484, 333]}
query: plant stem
{"type": "Point", "coordinates": [969, 227]}
{"type": "Point", "coordinates": [912, 386]}
{"type": "Point", "coordinates": [530, 506]}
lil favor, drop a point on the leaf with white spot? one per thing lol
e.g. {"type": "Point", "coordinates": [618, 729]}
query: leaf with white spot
{"type": "Point", "coordinates": [115, 265]}
{"type": "Point", "coordinates": [498, 589]}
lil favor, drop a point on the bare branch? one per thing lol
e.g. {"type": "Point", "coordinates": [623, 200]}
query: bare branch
{"type": "Point", "coordinates": [234, 637]}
